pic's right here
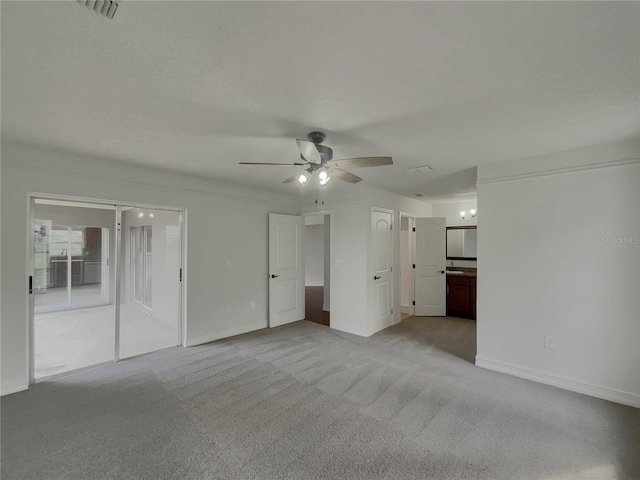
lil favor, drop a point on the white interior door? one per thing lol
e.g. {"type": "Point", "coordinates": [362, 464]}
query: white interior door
{"type": "Point", "coordinates": [286, 269]}
{"type": "Point", "coordinates": [430, 279]}
{"type": "Point", "coordinates": [382, 261]}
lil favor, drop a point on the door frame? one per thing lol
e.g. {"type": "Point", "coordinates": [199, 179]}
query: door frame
{"type": "Point", "coordinates": [299, 275]}
{"type": "Point", "coordinates": [331, 276]}
{"type": "Point", "coordinates": [412, 255]}
{"type": "Point", "coordinates": [30, 320]}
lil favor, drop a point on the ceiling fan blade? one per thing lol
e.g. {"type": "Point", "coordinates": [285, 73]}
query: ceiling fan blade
{"type": "Point", "coordinates": [278, 164]}
{"type": "Point", "coordinates": [308, 151]}
{"type": "Point", "coordinates": [361, 162]}
{"type": "Point", "coordinates": [345, 176]}
{"type": "Point", "coordinates": [292, 178]}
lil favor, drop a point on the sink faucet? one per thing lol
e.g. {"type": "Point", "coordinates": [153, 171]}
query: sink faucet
{"type": "Point", "coordinates": [452, 267]}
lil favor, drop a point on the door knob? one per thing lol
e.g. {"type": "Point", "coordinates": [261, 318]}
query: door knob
{"type": "Point", "coordinates": [441, 271]}
{"type": "Point", "coordinates": [274, 276]}
{"type": "Point", "coordinates": [376, 278]}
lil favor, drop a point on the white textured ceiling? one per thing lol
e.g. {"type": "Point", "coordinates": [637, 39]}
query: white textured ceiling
{"type": "Point", "coordinates": [199, 86]}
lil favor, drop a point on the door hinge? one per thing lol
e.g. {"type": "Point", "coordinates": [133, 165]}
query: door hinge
{"type": "Point", "coordinates": [414, 265]}
{"type": "Point", "coordinates": [107, 262]}
{"type": "Point", "coordinates": [392, 311]}
{"type": "Point", "coordinates": [414, 302]}
{"type": "Point", "coordinates": [414, 229]}
{"type": "Point", "coordinates": [30, 284]}
{"type": "Point", "coordinates": [391, 269]}
{"type": "Point", "coordinates": [181, 274]}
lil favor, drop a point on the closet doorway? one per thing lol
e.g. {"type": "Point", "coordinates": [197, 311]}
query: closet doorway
{"type": "Point", "coordinates": [105, 283]}
{"type": "Point", "coordinates": [406, 250]}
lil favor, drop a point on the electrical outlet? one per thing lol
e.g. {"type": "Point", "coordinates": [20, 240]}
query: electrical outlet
{"type": "Point", "coordinates": [549, 341]}
{"type": "Point", "coordinates": [228, 308]}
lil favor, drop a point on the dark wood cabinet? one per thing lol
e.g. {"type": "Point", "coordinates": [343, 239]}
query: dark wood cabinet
{"type": "Point", "coordinates": [59, 267]}
{"type": "Point", "coordinates": [461, 296]}
{"type": "Point", "coordinates": [92, 238]}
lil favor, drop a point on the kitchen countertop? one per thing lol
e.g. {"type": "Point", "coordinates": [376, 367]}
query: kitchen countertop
{"type": "Point", "coordinates": [465, 272]}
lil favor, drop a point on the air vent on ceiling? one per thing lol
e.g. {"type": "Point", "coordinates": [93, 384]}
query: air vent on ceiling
{"type": "Point", "coordinates": [420, 169]}
{"type": "Point", "coordinates": [106, 8]}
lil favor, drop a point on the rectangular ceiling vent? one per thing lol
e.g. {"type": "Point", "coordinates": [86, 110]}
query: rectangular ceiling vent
{"type": "Point", "coordinates": [420, 169]}
{"type": "Point", "coordinates": [106, 8]}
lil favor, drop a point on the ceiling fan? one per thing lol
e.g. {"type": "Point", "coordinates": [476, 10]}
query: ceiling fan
{"type": "Point", "coordinates": [319, 158]}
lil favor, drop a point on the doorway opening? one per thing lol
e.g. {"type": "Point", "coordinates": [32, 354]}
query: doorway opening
{"type": "Point", "coordinates": [317, 248]}
{"type": "Point", "coordinates": [93, 285]}
{"type": "Point", "coordinates": [406, 258]}
{"type": "Point", "coordinates": [72, 303]}
{"type": "Point", "coordinates": [150, 280]}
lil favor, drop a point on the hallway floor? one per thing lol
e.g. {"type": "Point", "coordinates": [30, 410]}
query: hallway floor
{"type": "Point", "coordinates": [313, 301]}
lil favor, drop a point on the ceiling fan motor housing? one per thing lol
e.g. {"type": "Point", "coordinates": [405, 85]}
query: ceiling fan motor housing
{"type": "Point", "coordinates": [326, 154]}
{"type": "Point", "coordinates": [316, 137]}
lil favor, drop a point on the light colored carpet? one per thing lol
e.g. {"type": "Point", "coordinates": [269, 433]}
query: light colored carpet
{"type": "Point", "coordinates": [305, 402]}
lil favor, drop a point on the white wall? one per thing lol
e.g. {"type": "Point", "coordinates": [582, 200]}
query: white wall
{"type": "Point", "coordinates": [349, 236]}
{"type": "Point", "coordinates": [559, 255]}
{"type": "Point", "coordinates": [224, 222]}
{"type": "Point", "coordinates": [314, 255]}
{"type": "Point", "coordinates": [451, 211]}
{"type": "Point", "coordinates": [351, 278]}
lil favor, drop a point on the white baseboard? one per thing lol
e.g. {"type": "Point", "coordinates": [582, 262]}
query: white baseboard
{"type": "Point", "coordinates": [314, 284]}
{"type": "Point", "coordinates": [325, 307]}
{"type": "Point", "coordinates": [625, 398]}
{"type": "Point", "coordinates": [13, 387]}
{"type": "Point", "coordinates": [232, 332]}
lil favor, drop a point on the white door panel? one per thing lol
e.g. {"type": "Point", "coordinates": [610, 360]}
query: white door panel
{"type": "Point", "coordinates": [286, 269]}
{"type": "Point", "coordinates": [430, 278]}
{"type": "Point", "coordinates": [381, 250]}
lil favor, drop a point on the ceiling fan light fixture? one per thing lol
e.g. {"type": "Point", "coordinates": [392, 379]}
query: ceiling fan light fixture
{"type": "Point", "coordinates": [319, 158]}
{"type": "Point", "coordinates": [323, 177]}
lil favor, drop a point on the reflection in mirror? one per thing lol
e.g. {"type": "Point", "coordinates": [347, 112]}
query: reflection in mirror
{"type": "Point", "coordinates": [462, 243]}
